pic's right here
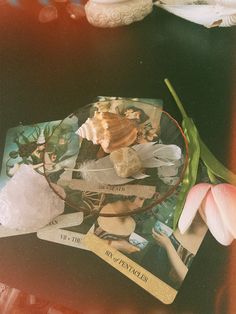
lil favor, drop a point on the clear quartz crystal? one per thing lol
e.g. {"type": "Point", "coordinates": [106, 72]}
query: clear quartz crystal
{"type": "Point", "coordinates": [27, 202]}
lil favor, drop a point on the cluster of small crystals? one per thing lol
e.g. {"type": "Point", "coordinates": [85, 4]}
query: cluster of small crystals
{"type": "Point", "coordinates": [26, 202]}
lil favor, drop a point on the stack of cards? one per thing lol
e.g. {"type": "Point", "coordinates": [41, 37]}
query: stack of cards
{"type": "Point", "coordinates": [120, 223]}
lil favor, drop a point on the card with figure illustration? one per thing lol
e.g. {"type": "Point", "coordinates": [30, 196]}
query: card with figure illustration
{"type": "Point", "coordinates": [144, 247]}
{"type": "Point", "coordinates": [24, 144]}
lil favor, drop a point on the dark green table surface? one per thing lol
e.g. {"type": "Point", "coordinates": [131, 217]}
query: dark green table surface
{"type": "Point", "coordinates": [48, 70]}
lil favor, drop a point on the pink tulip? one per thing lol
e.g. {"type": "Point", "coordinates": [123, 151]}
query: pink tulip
{"type": "Point", "coordinates": [217, 207]}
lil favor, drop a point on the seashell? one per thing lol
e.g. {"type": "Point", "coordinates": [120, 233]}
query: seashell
{"type": "Point", "coordinates": [110, 130]}
{"type": "Point", "coordinates": [126, 162]}
{"type": "Point", "coordinates": [107, 106]}
{"type": "Point", "coordinates": [222, 13]}
{"type": "Point", "coordinates": [229, 20]}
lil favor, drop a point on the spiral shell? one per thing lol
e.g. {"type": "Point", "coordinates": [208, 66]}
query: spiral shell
{"type": "Point", "coordinates": [229, 20]}
{"type": "Point", "coordinates": [222, 13]}
{"type": "Point", "coordinates": [110, 130]}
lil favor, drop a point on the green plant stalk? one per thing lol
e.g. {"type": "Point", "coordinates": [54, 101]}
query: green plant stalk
{"type": "Point", "coordinates": [210, 161]}
{"type": "Point", "coordinates": [176, 99]}
{"type": "Point", "coordinates": [197, 150]}
{"type": "Point", "coordinates": [215, 166]}
{"type": "Point", "coordinates": [190, 175]}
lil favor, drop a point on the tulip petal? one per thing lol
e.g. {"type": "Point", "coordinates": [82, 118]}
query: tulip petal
{"type": "Point", "coordinates": [225, 198]}
{"type": "Point", "coordinates": [192, 204]}
{"type": "Point", "coordinates": [211, 215]}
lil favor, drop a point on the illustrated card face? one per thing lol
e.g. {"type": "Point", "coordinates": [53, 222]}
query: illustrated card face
{"type": "Point", "coordinates": [144, 247]}
{"type": "Point", "coordinates": [24, 144]}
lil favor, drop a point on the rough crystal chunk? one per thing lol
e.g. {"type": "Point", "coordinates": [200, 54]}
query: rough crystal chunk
{"type": "Point", "coordinates": [126, 162]}
{"type": "Point", "coordinates": [27, 202]}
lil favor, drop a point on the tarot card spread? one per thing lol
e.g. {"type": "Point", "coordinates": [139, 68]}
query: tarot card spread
{"type": "Point", "coordinates": [124, 147]}
{"type": "Point", "coordinates": [130, 183]}
{"type": "Point", "coordinates": [118, 163]}
{"type": "Point", "coordinates": [84, 194]}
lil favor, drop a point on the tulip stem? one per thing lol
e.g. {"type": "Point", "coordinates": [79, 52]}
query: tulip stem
{"type": "Point", "coordinates": [176, 98]}
{"type": "Point", "coordinates": [197, 150]}
{"type": "Point", "coordinates": [215, 166]}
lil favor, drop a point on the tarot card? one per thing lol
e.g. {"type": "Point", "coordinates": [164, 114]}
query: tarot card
{"type": "Point", "coordinates": [143, 247]}
{"type": "Point", "coordinates": [7, 232]}
{"type": "Point", "coordinates": [68, 229]}
{"type": "Point", "coordinates": [62, 221]}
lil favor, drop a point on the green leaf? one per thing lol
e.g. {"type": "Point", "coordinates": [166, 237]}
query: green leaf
{"type": "Point", "coordinates": [191, 171]}
{"type": "Point", "coordinates": [176, 99]}
{"type": "Point", "coordinates": [215, 166]}
{"type": "Point", "coordinates": [197, 150]}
